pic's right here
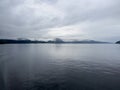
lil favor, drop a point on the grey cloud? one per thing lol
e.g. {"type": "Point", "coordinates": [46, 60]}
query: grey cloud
{"type": "Point", "coordinates": [30, 18]}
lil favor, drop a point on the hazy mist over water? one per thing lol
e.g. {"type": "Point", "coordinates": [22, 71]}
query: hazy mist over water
{"type": "Point", "coordinates": [60, 67]}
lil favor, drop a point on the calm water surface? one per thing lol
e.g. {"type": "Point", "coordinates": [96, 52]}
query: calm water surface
{"type": "Point", "coordinates": [60, 67]}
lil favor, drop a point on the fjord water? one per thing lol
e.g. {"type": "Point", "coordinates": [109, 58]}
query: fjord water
{"type": "Point", "coordinates": [60, 67]}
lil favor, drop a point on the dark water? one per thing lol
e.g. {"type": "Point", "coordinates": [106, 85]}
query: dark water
{"type": "Point", "coordinates": [60, 67]}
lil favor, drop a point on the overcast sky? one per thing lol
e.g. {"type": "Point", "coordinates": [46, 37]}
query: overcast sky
{"type": "Point", "coordinates": [66, 19]}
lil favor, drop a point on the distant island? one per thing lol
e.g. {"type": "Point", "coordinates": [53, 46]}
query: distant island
{"type": "Point", "coordinates": [56, 41]}
{"type": "Point", "coordinates": [118, 42]}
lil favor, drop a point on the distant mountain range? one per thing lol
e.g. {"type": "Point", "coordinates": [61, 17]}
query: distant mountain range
{"type": "Point", "coordinates": [56, 41]}
{"type": "Point", "coordinates": [12, 41]}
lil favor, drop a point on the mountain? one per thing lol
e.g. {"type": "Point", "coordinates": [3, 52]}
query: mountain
{"type": "Point", "coordinates": [56, 41]}
{"type": "Point", "coordinates": [88, 41]}
{"type": "Point", "coordinates": [19, 41]}
{"type": "Point", "coordinates": [118, 42]}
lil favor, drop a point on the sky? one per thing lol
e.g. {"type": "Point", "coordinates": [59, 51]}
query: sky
{"type": "Point", "coordinates": [65, 19]}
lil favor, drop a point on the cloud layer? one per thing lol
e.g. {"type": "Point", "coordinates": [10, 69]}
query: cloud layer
{"type": "Point", "coordinates": [73, 19]}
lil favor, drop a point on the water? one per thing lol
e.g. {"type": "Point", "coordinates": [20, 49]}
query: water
{"type": "Point", "coordinates": [60, 67]}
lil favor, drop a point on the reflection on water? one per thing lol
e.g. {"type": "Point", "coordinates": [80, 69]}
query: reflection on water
{"type": "Point", "coordinates": [60, 67]}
